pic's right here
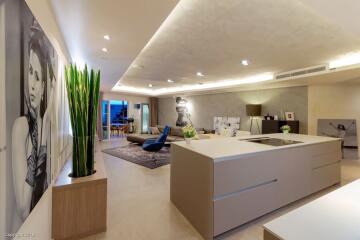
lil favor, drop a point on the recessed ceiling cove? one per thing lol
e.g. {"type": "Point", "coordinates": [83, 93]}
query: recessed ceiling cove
{"type": "Point", "coordinates": [214, 37]}
{"type": "Point", "coordinates": [128, 25]}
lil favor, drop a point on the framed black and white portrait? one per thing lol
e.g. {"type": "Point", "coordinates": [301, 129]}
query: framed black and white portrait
{"type": "Point", "coordinates": [36, 115]}
{"type": "Point", "coordinates": [31, 130]}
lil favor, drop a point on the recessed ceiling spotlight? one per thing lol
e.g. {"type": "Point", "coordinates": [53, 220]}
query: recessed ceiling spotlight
{"type": "Point", "coordinates": [104, 49]}
{"type": "Point", "coordinates": [170, 81]}
{"type": "Point", "coordinates": [200, 74]}
{"type": "Point", "coordinates": [150, 85]}
{"type": "Point", "coordinates": [245, 62]}
{"type": "Point", "coordinates": [107, 37]}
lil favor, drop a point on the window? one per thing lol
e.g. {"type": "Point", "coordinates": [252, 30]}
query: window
{"type": "Point", "coordinates": [118, 112]}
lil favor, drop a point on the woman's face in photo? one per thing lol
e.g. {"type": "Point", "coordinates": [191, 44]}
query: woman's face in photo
{"type": "Point", "coordinates": [36, 85]}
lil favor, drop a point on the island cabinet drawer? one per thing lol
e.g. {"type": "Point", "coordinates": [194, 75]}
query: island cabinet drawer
{"type": "Point", "coordinates": [244, 173]}
{"type": "Point", "coordinates": [236, 209]}
{"type": "Point", "coordinates": [324, 159]}
{"type": "Point", "coordinates": [323, 148]}
{"type": "Point", "coordinates": [325, 176]}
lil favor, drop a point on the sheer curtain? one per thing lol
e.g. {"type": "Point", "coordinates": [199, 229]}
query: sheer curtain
{"type": "Point", "coordinates": [154, 105]}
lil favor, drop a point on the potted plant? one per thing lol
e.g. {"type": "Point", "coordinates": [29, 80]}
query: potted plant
{"type": "Point", "coordinates": [189, 133]}
{"type": "Point", "coordinates": [83, 95]}
{"type": "Point", "coordinates": [285, 129]}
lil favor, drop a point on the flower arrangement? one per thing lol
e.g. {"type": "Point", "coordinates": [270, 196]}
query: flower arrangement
{"type": "Point", "coordinates": [285, 129]}
{"type": "Point", "coordinates": [189, 131]}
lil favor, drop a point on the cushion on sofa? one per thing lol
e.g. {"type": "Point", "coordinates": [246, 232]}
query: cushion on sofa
{"type": "Point", "coordinates": [140, 138]}
{"type": "Point", "coordinates": [154, 131]}
{"type": "Point", "coordinates": [176, 131]}
{"type": "Point", "coordinates": [161, 128]}
{"type": "Point", "coordinates": [174, 138]}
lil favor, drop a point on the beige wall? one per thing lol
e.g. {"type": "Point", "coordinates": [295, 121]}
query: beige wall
{"type": "Point", "coordinates": [42, 10]}
{"type": "Point", "coordinates": [132, 99]}
{"type": "Point", "coordinates": [203, 108]}
{"type": "Point", "coordinates": [338, 101]}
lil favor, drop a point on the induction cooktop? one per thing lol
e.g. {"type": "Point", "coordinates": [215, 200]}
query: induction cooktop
{"type": "Point", "coordinates": [273, 141]}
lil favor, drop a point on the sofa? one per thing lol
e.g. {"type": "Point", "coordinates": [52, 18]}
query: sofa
{"type": "Point", "coordinates": [175, 134]}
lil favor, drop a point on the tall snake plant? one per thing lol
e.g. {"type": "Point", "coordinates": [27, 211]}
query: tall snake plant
{"type": "Point", "coordinates": [83, 95]}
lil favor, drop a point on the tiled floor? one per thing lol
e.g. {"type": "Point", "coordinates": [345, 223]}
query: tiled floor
{"type": "Point", "coordinates": [139, 206]}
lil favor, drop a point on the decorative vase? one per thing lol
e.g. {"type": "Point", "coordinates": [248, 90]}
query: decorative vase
{"type": "Point", "coordinates": [286, 131]}
{"type": "Point", "coordinates": [188, 140]}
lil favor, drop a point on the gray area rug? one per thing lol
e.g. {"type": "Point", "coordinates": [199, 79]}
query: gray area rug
{"type": "Point", "coordinates": [135, 154]}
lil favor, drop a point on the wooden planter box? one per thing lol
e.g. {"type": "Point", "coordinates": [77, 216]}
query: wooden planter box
{"type": "Point", "coordinates": [79, 204]}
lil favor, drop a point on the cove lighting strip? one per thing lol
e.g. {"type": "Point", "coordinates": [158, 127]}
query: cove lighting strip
{"type": "Point", "coordinates": [195, 87]}
{"type": "Point", "coordinates": [346, 60]}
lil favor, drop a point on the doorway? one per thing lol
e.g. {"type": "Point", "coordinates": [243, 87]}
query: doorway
{"type": "Point", "coordinates": [114, 118]}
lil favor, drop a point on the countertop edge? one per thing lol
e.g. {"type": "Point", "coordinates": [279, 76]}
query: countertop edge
{"type": "Point", "coordinates": [273, 148]}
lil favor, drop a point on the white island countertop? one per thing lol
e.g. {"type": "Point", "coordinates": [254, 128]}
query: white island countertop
{"type": "Point", "coordinates": [334, 216]}
{"type": "Point", "coordinates": [229, 147]}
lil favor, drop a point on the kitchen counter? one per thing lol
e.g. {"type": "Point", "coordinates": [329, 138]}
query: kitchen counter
{"type": "Point", "coordinates": [334, 216]}
{"type": "Point", "coordinates": [221, 183]}
{"type": "Point", "coordinates": [230, 147]}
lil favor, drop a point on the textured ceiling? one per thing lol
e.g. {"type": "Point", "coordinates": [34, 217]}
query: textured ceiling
{"type": "Point", "coordinates": [350, 76]}
{"type": "Point", "coordinates": [344, 13]}
{"type": "Point", "coordinates": [130, 25]}
{"type": "Point", "coordinates": [171, 39]}
{"type": "Point", "coordinates": [214, 36]}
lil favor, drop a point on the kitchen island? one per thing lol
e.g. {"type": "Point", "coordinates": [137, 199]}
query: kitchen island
{"type": "Point", "coordinates": [219, 184]}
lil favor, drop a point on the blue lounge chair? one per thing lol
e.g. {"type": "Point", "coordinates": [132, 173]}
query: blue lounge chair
{"type": "Point", "coordinates": [155, 145]}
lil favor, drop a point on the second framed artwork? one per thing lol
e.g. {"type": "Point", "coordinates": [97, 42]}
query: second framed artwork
{"type": "Point", "coordinates": [289, 116]}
